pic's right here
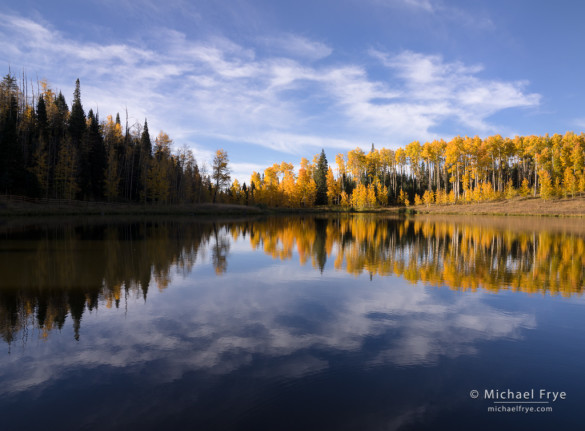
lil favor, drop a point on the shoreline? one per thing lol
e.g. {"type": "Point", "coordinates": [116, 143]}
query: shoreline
{"type": "Point", "coordinates": [517, 207]}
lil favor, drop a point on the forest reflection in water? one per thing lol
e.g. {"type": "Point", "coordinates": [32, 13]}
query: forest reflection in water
{"type": "Point", "coordinates": [51, 271]}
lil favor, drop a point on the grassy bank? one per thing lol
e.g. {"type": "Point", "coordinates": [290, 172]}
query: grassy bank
{"type": "Point", "coordinates": [20, 206]}
{"type": "Point", "coordinates": [30, 207]}
{"type": "Point", "coordinates": [518, 206]}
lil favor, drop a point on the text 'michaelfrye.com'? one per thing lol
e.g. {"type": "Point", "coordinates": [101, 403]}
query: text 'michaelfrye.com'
{"type": "Point", "coordinates": [514, 401]}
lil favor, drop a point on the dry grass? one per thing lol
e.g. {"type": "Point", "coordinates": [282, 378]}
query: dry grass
{"type": "Point", "coordinates": [518, 206]}
{"type": "Point", "coordinates": [15, 207]}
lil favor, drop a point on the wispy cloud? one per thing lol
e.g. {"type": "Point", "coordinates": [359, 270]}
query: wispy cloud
{"type": "Point", "coordinates": [579, 122]}
{"type": "Point", "coordinates": [425, 5]}
{"type": "Point", "coordinates": [438, 90]}
{"type": "Point", "coordinates": [297, 46]}
{"type": "Point", "coordinates": [286, 93]}
{"type": "Point", "coordinates": [439, 9]}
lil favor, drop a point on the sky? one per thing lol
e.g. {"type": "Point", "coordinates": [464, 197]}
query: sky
{"type": "Point", "coordinates": [271, 81]}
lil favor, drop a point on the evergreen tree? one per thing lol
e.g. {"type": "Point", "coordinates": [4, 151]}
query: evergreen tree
{"type": "Point", "coordinates": [77, 118]}
{"type": "Point", "coordinates": [97, 157]}
{"type": "Point", "coordinates": [12, 169]}
{"type": "Point", "coordinates": [145, 151]}
{"type": "Point", "coordinates": [42, 117]}
{"type": "Point", "coordinates": [40, 165]}
{"type": "Point", "coordinates": [77, 132]}
{"type": "Point", "coordinates": [62, 109]}
{"type": "Point", "coordinates": [321, 179]}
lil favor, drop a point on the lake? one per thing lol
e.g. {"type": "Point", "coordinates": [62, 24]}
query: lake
{"type": "Point", "coordinates": [347, 322]}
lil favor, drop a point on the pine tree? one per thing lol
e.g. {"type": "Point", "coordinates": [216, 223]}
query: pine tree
{"type": "Point", "coordinates": [321, 179]}
{"type": "Point", "coordinates": [11, 158]}
{"type": "Point", "coordinates": [97, 156]}
{"type": "Point", "coordinates": [77, 123]}
{"type": "Point", "coordinates": [145, 150]}
{"type": "Point", "coordinates": [42, 118]}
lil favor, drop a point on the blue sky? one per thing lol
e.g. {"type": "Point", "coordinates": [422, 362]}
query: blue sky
{"type": "Point", "coordinates": [279, 80]}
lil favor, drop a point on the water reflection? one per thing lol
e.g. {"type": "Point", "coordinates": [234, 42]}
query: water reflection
{"type": "Point", "coordinates": [250, 324]}
{"type": "Point", "coordinates": [51, 272]}
{"type": "Point", "coordinates": [457, 252]}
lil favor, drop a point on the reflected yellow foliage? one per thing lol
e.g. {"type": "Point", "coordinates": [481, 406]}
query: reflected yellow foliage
{"type": "Point", "coordinates": [460, 255]}
{"type": "Point", "coordinates": [52, 273]}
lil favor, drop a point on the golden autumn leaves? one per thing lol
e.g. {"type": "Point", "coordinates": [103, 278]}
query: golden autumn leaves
{"type": "Point", "coordinates": [462, 170]}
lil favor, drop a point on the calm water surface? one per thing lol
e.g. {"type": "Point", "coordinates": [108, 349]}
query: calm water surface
{"type": "Point", "coordinates": [300, 323]}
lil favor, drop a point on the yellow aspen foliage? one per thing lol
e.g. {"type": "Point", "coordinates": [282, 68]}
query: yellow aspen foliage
{"type": "Point", "coordinates": [371, 196]}
{"type": "Point", "coordinates": [452, 199]}
{"type": "Point", "coordinates": [270, 186]}
{"type": "Point", "coordinates": [466, 187]}
{"type": "Point", "coordinates": [417, 199]}
{"type": "Point", "coordinates": [256, 187]}
{"type": "Point", "coordinates": [510, 191]}
{"type": "Point", "coordinates": [428, 198]}
{"type": "Point", "coordinates": [340, 161]}
{"type": "Point", "coordinates": [333, 188]}
{"type": "Point", "coordinates": [344, 200]}
{"type": "Point", "coordinates": [288, 185]}
{"type": "Point", "coordinates": [487, 192]}
{"type": "Point", "coordinates": [236, 191]}
{"type": "Point", "coordinates": [359, 197]}
{"type": "Point", "coordinates": [558, 188]}
{"type": "Point", "coordinates": [476, 194]}
{"type": "Point", "coordinates": [306, 187]}
{"type": "Point", "coordinates": [546, 186]}
{"type": "Point", "coordinates": [570, 184]}
{"type": "Point", "coordinates": [382, 194]}
{"type": "Point", "coordinates": [356, 163]}
{"type": "Point", "coordinates": [525, 188]}
{"type": "Point", "coordinates": [402, 197]}
{"type": "Point", "coordinates": [582, 182]}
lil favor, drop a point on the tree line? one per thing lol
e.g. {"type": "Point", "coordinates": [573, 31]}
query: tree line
{"type": "Point", "coordinates": [49, 150]}
{"type": "Point", "coordinates": [461, 170]}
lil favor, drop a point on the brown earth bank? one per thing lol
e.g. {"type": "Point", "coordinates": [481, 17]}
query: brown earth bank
{"type": "Point", "coordinates": [23, 206]}
{"type": "Point", "coordinates": [519, 206]}
{"type": "Point", "coordinates": [16, 206]}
